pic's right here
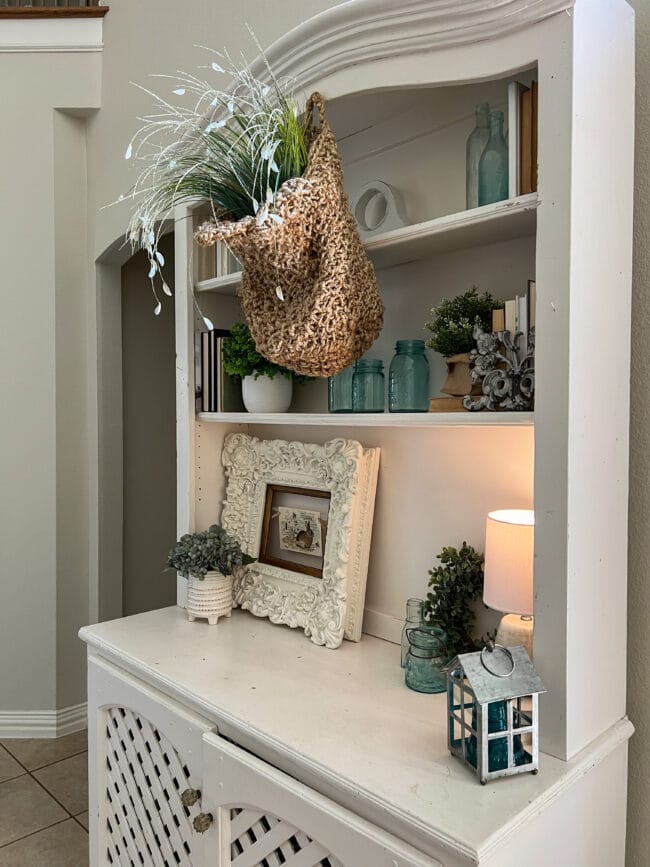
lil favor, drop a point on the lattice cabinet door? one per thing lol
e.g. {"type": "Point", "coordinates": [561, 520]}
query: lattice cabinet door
{"type": "Point", "coordinates": [264, 818]}
{"type": "Point", "coordinates": [145, 754]}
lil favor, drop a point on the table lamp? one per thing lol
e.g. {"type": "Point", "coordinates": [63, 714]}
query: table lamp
{"type": "Point", "coordinates": [508, 579]}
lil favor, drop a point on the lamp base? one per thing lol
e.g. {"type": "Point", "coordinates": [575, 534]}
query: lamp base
{"type": "Point", "coordinates": [515, 630]}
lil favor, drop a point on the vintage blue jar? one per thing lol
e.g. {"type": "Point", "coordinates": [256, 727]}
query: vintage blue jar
{"type": "Point", "coordinates": [368, 386]}
{"type": "Point", "coordinates": [339, 391]}
{"type": "Point", "coordinates": [408, 378]}
{"type": "Point", "coordinates": [414, 617]}
{"type": "Point", "coordinates": [426, 659]}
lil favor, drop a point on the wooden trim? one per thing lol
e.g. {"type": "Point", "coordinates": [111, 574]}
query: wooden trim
{"type": "Point", "coordinates": [53, 11]}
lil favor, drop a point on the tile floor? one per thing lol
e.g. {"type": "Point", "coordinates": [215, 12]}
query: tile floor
{"type": "Point", "coordinates": [44, 802]}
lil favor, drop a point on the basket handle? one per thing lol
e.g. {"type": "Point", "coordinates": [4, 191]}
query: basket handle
{"type": "Point", "coordinates": [317, 102]}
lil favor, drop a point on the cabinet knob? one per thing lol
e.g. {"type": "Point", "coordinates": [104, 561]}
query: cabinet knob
{"type": "Point", "coordinates": [189, 797]}
{"type": "Point", "coordinates": [202, 822]}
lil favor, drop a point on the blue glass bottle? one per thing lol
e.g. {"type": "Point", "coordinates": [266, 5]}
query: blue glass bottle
{"type": "Point", "coordinates": [493, 165]}
{"type": "Point", "coordinates": [339, 391]}
{"type": "Point", "coordinates": [474, 148]}
{"type": "Point", "coordinates": [408, 378]}
{"type": "Point", "coordinates": [414, 617]}
{"type": "Point", "coordinates": [368, 386]}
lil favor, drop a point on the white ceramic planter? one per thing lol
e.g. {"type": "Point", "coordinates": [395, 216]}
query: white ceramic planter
{"type": "Point", "coordinates": [267, 395]}
{"type": "Point", "coordinates": [210, 598]}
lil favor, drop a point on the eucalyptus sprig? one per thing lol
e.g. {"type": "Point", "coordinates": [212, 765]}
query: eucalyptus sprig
{"type": "Point", "coordinates": [232, 145]}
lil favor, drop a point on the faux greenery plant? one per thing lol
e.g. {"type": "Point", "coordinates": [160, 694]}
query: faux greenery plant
{"type": "Point", "coordinates": [454, 320]}
{"type": "Point", "coordinates": [205, 551]}
{"type": "Point", "coordinates": [241, 358]}
{"type": "Point", "coordinates": [454, 586]}
{"type": "Point", "coordinates": [233, 146]}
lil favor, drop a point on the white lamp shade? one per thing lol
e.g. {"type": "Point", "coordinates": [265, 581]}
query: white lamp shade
{"type": "Point", "coordinates": [508, 579]}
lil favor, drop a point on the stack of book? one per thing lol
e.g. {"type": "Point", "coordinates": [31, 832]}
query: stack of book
{"type": "Point", "coordinates": [522, 138]}
{"type": "Point", "coordinates": [518, 314]}
{"type": "Point", "coordinates": [216, 391]}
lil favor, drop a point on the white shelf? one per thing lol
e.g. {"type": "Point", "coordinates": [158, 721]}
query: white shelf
{"type": "Point", "coordinates": [503, 221]}
{"type": "Point", "coordinates": [380, 419]}
{"type": "Point", "coordinates": [226, 285]}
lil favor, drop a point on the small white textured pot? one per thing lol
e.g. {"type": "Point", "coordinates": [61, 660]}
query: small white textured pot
{"type": "Point", "coordinates": [210, 598]}
{"type": "Point", "coordinates": [267, 395]}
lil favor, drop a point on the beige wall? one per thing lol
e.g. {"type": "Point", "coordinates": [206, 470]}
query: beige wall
{"type": "Point", "coordinates": [43, 468]}
{"type": "Point", "coordinates": [639, 551]}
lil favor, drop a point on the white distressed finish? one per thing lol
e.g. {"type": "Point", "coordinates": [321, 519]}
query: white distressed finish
{"type": "Point", "coordinates": [143, 751]}
{"type": "Point", "coordinates": [582, 267]}
{"type": "Point", "coordinates": [277, 806]}
{"type": "Point", "coordinates": [386, 419]}
{"type": "Point", "coordinates": [210, 597]}
{"type": "Point", "coordinates": [327, 608]}
{"type": "Point", "coordinates": [345, 725]}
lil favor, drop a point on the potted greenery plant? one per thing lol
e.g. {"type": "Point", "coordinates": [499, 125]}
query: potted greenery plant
{"type": "Point", "coordinates": [454, 585]}
{"type": "Point", "coordinates": [452, 327]}
{"type": "Point", "coordinates": [265, 386]}
{"type": "Point", "coordinates": [208, 559]}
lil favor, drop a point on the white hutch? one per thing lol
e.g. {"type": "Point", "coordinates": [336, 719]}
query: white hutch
{"type": "Point", "coordinates": [304, 756]}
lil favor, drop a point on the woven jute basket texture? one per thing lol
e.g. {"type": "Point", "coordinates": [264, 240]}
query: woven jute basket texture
{"type": "Point", "coordinates": [331, 311]}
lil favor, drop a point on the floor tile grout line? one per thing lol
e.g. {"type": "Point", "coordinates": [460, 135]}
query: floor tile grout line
{"type": "Point", "coordinates": [33, 833]}
{"type": "Point", "coordinates": [58, 761]}
{"type": "Point", "coordinates": [9, 779]}
{"type": "Point", "coordinates": [49, 764]}
{"type": "Point", "coordinates": [54, 798]}
{"type": "Point", "coordinates": [83, 827]}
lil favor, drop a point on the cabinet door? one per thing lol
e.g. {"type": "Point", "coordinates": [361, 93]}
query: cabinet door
{"type": "Point", "coordinates": [144, 750]}
{"type": "Point", "coordinates": [264, 818]}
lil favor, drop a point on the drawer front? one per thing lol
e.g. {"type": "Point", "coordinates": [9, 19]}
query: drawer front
{"type": "Point", "coordinates": [144, 751]}
{"type": "Point", "coordinates": [263, 818]}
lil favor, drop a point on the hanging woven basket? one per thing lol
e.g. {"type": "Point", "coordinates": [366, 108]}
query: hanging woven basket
{"type": "Point", "coordinates": [308, 291]}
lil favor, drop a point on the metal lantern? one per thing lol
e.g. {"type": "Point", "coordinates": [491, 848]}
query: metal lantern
{"type": "Point", "coordinates": [492, 704]}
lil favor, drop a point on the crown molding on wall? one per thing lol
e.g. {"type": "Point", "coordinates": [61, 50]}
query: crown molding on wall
{"type": "Point", "coordinates": [26, 36]}
{"type": "Point", "coordinates": [42, 723]}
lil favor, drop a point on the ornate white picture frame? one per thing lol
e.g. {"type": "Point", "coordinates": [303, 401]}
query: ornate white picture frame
{"type": "Point", "coordinates": [328, 608]}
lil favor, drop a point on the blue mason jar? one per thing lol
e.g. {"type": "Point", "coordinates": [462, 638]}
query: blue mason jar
{"type": "Point", "coordinates": [368, 386]}
{"type": "Point", "coordinates": [408, 378]}
{"type": "Point", "coordinates": [339, 391]}
{"type": "Point", "coordinates": [426, 660]}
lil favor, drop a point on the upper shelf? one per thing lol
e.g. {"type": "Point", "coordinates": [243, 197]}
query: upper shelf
{"type": "Point", "coordinates": [378, 419]}
{"type": "Point", "coordinates": [503, 221]}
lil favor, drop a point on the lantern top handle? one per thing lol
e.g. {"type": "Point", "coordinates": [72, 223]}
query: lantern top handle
{"type": "Point", "coordinates": [492, 651]}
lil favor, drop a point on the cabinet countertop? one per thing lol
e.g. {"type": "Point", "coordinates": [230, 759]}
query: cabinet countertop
{"type": "Point", "coordinates": [341, 721]}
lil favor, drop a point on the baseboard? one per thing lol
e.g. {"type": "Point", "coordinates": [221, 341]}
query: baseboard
{"type": "Point", "coordinates": [382, 626]}
{"type": "Point", "coordinates": [42, 723]}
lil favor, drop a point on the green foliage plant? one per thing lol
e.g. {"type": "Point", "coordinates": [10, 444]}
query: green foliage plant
{"type": "Point", "coordinates": [454, 319]}
{"type": "Point", "coordinates": [206, 551]}
{"type": "Point", "coordinates": [454, 585]}
{"type": "Point", "coordinates": [241, 358]}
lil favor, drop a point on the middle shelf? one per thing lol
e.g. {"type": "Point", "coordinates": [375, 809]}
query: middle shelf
{"type": "Point", "coordinates": [380, 419]}
{"type": "Point", "coordinates": [502, 221]}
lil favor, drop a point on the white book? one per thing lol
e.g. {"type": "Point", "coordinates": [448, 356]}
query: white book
{"type": "Point", "coordinates": [514, 94]}
{"type": "Point", "coordinates": [510, 315]}
{"type": "Point", "coordinates": [522, 323]}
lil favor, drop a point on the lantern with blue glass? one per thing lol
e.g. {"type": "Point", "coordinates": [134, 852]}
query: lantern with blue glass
{"type": "Point", "coordinates": [492, 704]}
